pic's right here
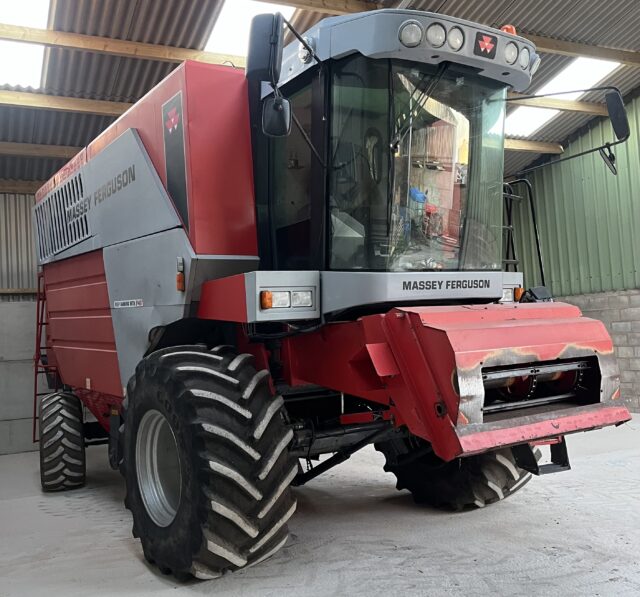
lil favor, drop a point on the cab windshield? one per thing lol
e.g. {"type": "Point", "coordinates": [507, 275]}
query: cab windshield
{"type": "Point", "coordinates": [416, 168]}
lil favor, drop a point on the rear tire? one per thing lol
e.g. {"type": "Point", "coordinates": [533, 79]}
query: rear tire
{"type": "Point", "coordinates": [62, 450]}
{"type": "Point", "coordinates": [226, 503]}
{"type": "Point", "coordinates": [470, 482]}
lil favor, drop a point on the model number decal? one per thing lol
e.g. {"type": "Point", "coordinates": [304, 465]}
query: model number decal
{"type": "Point", "coordinates": [446, 284]}
{"type": "Point", "coordinates": [129, 303]}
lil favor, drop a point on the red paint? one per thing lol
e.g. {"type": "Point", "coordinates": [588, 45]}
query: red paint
{"type": "Point", "coordinates": [365, 417]}
{"type": "Point", "coordinates": [382, 358]}
{"type": "Point", "coordinates": [217, 151]}
{"type": "Point", "coordinates": [70, 168]}
{"type": "Point", "coordinates": [80, 334]}
{"type": "Point", "coordinates": [591, 417]}
{"type": "Point", "coordinates": [224, 299]}
{"type": "Point", "coordinates": [220, 161]}
{"type": "Point", "coordinates": [99, 404]}
{"type": "Point", "coordinates": [407, 358]}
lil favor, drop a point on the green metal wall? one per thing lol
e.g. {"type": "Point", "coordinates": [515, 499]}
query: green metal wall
{"type": "Point", "coordinates": [589, 219]}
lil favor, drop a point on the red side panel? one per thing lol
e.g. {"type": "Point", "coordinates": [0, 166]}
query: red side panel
{"type": "Point", "coordinates": [220, 161]}
{"type": "Point", "coordinates": [224, 299]}
{"type": "Point", "coordinates": [217, 151]}
{"type": "Point", "coordinates": [80, 327]}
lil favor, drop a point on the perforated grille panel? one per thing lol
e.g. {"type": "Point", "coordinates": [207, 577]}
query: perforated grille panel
{"type": "Point", "coordinates": [61, 218]}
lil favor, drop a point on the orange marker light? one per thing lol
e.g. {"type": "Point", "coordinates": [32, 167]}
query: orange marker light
{"type": "Point", "coordinates": [266, 299]}
{"type": "Point", "coordinates": [509, 29]}
{"type": "Point", "coordinates": [517, 293]}
{"type": "Point", "coordinates": [180, 286]}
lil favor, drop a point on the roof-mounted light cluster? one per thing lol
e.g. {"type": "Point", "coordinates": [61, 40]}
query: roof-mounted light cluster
{"type": "Point", "coordinates": [419, 37]}
{"type": "Point", "coordinates": [411, 35]}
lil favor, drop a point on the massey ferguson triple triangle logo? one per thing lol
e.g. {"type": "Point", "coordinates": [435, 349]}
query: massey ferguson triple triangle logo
{"type": "Point", "coordinates": [173, 119]}
{"type": "Point", "coordinates": [485, 45]}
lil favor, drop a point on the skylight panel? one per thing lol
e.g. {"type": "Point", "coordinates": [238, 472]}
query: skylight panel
{"type": "Point", "coordinates": [582, 73]}
{"type": "Point", "coordinates": [230, 34]}
{"type": "Point", "coordinates": [21, 64]}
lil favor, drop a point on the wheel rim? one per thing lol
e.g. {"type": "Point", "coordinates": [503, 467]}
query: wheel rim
{"type": "Point", "coordinates": [158, 468]}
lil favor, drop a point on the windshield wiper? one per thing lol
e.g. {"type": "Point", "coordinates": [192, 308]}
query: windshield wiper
{"type": "Point", "coordinates": [423, 96]}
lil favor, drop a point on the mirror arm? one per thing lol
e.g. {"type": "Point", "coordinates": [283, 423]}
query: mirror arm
{"type": "Point", "coordinates": [302, 41]}
{"type": "Point", "coordinates": [526, 97]}
{"type": "Point", "coordinates": [571, 157]}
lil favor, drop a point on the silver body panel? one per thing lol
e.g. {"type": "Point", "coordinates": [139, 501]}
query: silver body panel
{"type": "Point", "coordinates": [114, 215]}
{"type": "Point", "coordinates": [343, 290]}
{"type": "Point", "coordinates": [256, 282]}
{"type": "Point", "coordinates": [141, 280]}
{"type": "Point", "coordinates": [337, 291]}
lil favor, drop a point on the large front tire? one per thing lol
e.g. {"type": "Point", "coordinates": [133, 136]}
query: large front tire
{"type": "Point", "coordinates": [206, 461]}
{"type": "Point", "coordinates": [470, 482]}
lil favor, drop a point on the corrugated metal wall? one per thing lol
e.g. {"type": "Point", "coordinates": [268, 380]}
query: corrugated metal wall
{"type": "Point", "coordinates": [18, 263]}
{"type": "Point", "coordinates": [589, 219]}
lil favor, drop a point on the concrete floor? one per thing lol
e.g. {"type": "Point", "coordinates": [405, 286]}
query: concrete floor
{"type": "Point", "coordinates": [573, 533]}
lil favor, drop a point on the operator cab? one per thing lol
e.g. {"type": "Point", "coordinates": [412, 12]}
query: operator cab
{"type": "Point", "coordinates": [394, 160]}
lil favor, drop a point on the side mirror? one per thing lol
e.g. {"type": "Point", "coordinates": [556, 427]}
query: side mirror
{"type": "Point", "coordinates": [617, 115]}
{"type": "Point", "coordinates": [266, 42]}
{"type": "Point", "coordinates": [276, 117]}
{"type": "Point", "coordinates": [609, 159]}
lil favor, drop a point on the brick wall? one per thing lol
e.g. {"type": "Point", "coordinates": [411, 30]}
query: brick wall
{"type": "Point", "coordinates": [620, 312]}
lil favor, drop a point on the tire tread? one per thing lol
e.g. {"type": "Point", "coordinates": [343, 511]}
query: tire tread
{"type": "Point", "coordinates": [62, 450]}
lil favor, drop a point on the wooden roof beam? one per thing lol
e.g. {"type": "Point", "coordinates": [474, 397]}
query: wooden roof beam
{"type": "Point", "coordinates": [114, 47]}
{"type": "Point", "coordinates": [20, 187]}
{"type": "Point", "coordinates": [34, 150]}
{"type": "Point", "coordinates": [532, 146]}
{"type": "Point", "coordinates": [549, 45]}
{"type": "Point", "coordinates": [61, 151]}
{"type": "Point", "coordinates": [25, 99]}
{"type": "Point", "coordinates": [564, 105]}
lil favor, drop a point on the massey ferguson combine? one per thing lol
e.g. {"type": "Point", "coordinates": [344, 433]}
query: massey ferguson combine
{"type": "Point", "coordinates": [250, 270]}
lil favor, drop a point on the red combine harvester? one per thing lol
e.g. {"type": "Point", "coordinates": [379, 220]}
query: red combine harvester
{"type": "Point", "coordinates": [249, 270]}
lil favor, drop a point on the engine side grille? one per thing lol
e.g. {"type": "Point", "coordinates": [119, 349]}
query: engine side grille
{"type": "Point", "coordinates": [58, 227]}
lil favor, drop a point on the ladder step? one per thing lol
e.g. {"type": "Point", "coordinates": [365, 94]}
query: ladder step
{"type": "Point", "coordinates": [510, 261]}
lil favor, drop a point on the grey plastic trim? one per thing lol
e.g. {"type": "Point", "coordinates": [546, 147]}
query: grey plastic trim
{"type": "Point", "coordinates": [375, 34]}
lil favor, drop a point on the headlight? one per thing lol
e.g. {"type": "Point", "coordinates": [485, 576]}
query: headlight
{"type": "Point", "coordinates": [525, 58]}
{"type": "Point", "coordinates": [301, 298]}
{"type": "Point", "coordinates": [436, 35]}
{"type": "Point", "coordinates": [507, 295]}
{"type": "Point", "coordinates": [410, 34]}
{"type": "Point", "coordinates": [511, 53]}
{"type": "Point", "coordinates": [455, 38]}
